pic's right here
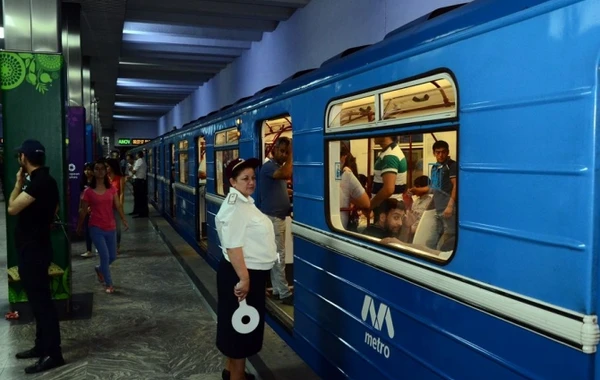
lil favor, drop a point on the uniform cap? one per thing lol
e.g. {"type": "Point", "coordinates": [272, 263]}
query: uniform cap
{"type": "Point", "coordinates": [239, 164]}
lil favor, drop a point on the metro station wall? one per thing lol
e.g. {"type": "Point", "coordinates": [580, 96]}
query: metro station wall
{"type": "Point", "coordinates": [141, 129]}
{"type": "Point", "coordinates": [312, 35]}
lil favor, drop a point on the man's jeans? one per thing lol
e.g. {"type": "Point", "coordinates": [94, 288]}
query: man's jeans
{"type": "Point", "coordinates": [444, 229]}
{"type": "Point", "coordinates": [280, 285]}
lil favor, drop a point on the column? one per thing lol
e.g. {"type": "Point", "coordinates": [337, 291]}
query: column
{"type": "Point", "coordinates": [71, 42]}
{"type": "Point", "coordinates": [32, 84]}
{"type": "Point", "coordinates": [87, 103]}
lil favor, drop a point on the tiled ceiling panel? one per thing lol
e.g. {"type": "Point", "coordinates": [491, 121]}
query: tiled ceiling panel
{"type": "Point", "coordinates": [170, 48]}
{"type": "Point", "coordinates": [148, 55]}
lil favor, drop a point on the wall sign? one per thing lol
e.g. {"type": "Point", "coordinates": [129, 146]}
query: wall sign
{"type": "Point", "coordinates": [132, 141]}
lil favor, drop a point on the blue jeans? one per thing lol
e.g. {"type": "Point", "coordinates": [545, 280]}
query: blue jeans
{"type": "Point", "coordinates": [445, 228]}
{"type": "Point", "coordinates": [106, 244]}
{"type": "Point", "coordinates": [118, 221]}
{"type": "Point", "coordinates": [278, 280]}
{"type": "Point", "coordinates": [88, 238]}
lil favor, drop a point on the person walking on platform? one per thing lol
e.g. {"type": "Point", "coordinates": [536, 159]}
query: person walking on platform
{"type": "Point", "coordinates": [36, 204]}
{"type": "Point", "coordinates": [140, 190]}
{"type": "Point", "coordinates": [118, 182]}
{"type": "Point", "coordinates": [102, 198]}
{"type": "Point", "coordinates": [249, 252]}
{"type": "Point", "coordinates": [86, 180]}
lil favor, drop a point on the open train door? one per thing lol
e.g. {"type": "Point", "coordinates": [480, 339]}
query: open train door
{"type": "Point", "coordinates": [270, 131]}
{"type": "Point", "coordinates": [201, 231]}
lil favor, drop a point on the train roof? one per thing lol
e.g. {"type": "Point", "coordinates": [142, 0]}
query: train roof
{"type": "Point", "coordinates": [442, 23]}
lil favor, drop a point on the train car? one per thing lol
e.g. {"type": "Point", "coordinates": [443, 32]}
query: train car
{"type": "Point", "coordinates": [512, 293]}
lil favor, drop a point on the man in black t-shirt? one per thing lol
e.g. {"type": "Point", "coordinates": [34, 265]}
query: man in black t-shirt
{"type": "Point", "coordinates": [388, 219]}
{"type": "Point", "coordinates": [35, 204]}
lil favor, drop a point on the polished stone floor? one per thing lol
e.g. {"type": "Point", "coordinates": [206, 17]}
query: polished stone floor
{"type": "Point", "coordinates": [155, 326]}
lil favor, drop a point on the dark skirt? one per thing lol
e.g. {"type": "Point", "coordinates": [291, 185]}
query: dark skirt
{"type": "Point", "coordinates": [231, 343]}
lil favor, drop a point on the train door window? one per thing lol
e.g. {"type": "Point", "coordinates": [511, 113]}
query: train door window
{"type": "Point", "coordinates": [407, 180]}
{"type": "Point", "coordinates": [201, 232]}
{"type": "Point", "coordinates": [226, 149]}
{"type": "Point", "coordinates": [271, 130]}
{"type": "Point", "coordinates": [201, 149]}
{"type": "Point", "coordinates": [183, 162]}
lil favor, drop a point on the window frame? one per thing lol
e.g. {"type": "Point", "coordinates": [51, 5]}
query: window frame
{"type": "Point", "coordinates": [394, 251]}
{"type": "Point", "coordinates": [381, 128]}
{"type": "Point", "coordinates": [379, 92]}
{"type": "Point", "coordinates": [223, 147]}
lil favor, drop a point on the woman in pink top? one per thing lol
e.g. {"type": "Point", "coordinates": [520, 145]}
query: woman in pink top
{"type": "Point", "coordinates": [118, 182]}
{"type": "Point", "coordinates": [101, 197]}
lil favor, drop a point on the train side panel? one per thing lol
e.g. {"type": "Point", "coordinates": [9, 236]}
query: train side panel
{"type": "Point", "coordinates": [518, 231]}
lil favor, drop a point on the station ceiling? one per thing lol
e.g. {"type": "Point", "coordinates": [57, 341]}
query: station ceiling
{"type": "Point", "coordinates": [148, 55]}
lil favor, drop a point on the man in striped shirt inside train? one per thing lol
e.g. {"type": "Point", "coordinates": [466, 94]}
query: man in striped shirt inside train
{"type": "Point", "coordinates": [389, 179]}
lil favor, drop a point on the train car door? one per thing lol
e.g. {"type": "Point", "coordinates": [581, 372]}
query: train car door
{"type": "Point", "coordinates": [164, 185]}
{"type": "Point", "coordinates": [155, 171]}
{"type": "Point", "coordinates": [270, 131]}
{"type": "Point", "coordinates": [171, 175]}
{"type": "Point", "coordinates": [201, 232]}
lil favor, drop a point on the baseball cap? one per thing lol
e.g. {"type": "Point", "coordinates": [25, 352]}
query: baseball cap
{"type": "Point", "coordinates": [239, 164]}
{"type": "Point", "coordinates": [31, 147]}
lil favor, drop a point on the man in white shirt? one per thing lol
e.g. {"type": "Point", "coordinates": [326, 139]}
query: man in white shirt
{"type": "Point", "coordinates": [140, 188]}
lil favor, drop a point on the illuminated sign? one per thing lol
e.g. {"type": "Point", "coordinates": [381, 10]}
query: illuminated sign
{"type": "Point", "coordinates": [132, 141]}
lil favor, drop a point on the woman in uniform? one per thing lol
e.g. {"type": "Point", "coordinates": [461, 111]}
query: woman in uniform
{"type": "Point", "coordinates": [249, 252]}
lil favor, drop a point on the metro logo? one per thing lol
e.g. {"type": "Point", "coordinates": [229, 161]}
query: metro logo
{"type": "Point", "coordinates": [378, 318]}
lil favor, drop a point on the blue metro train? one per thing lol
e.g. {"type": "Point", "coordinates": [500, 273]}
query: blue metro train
{"type": "Point", "coordinates": [512, 87]}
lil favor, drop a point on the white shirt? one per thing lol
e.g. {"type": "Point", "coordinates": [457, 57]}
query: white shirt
{"type": "Point", "coordinates": [350, 188]}
{"type": "Point", "coordinates": [241, 224]}
{"type": "Point", "coordinates": [140, 169]}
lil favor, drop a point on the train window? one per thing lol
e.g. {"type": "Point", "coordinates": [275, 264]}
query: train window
{"type": "Point", "coordinates": [432, 98]}
{"type": "Point", "coordinates": [226, 149]}
{"type": "Point", "coordinates": [233, 135]}
{"type": "Point", "coordinates": [352, 112]}
{"type": "Point", "coordinates": [150, 158]}
{"type": "Point", "coordinates": [222, 158]}
{"type": "Point", "coordinates": [201, 160]}
{"type": "Point", "coordinates": [158, 162]}
{"type": "Point", "coordinates": [409, 182]}
{"type": "Point", "coordinates": [273, 129]}
{"type": "Point", "coordinates": [167, 165]}
{"type": "Point", "coordinates": [424, 99]}
{"type": "Point", "coordinates": [184, 162]}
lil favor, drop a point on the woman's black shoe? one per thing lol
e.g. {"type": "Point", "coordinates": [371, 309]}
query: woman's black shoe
{"type": "Point", "coordinates": [44, 364]}
{"type": "Point", "coordinates": [226, 375]}
{"type": "Point", "coordinates": [29, 354]}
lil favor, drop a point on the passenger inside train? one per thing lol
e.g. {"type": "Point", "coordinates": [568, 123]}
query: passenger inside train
{"type": "Point", "coordinates": [273, 132]}
{"type": "Point", "coordinates": [413, 222]}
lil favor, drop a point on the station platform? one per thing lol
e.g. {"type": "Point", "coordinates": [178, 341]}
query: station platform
{"type": "Point", "coordinates": [159, 324]}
